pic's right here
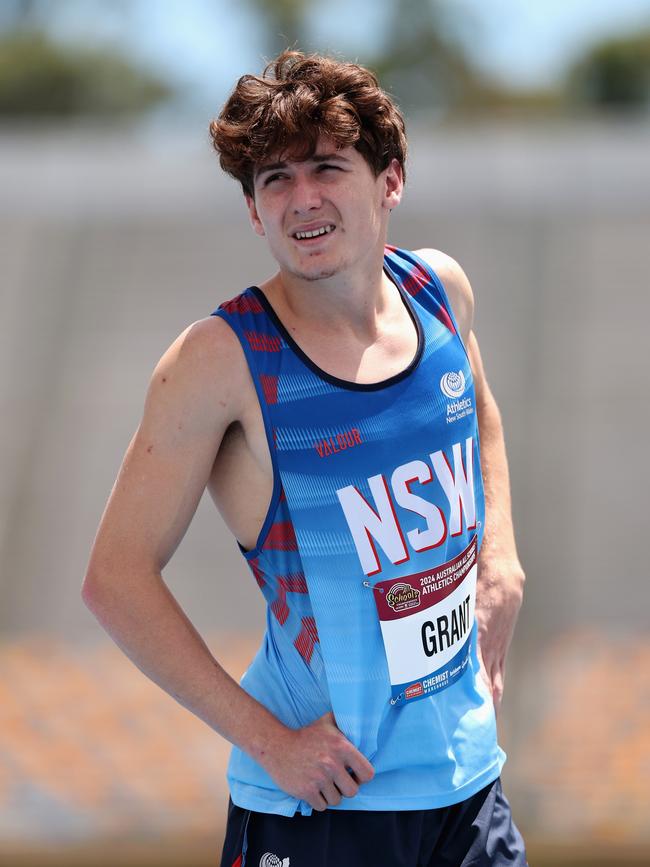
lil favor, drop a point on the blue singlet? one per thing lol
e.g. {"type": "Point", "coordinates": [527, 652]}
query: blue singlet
{"type": "Point", "coordinates": [367, 559]}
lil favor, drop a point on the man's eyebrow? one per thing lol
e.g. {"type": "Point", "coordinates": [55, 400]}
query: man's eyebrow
{"type": "Point", "coordinates": [326, 158]}
{"type": "Point", "coordinates": [315, 158]}
{"type": "Point", "coordinates": [269, 167]}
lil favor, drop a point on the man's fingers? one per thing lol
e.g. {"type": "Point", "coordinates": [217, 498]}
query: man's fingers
{"type": "Point", "coordinates": [362, 770]}
{"type": "Point", "coordinates": [346, 784]}
{"type": "Point", "coordinates": [361, 767]}
{"type": "Point", "coordinates": [331, 794]}
{"type": "Point", "coordinates": [318, 802]}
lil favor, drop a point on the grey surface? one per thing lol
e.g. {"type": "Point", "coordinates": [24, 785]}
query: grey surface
{"type": "Point", "coordinates": [104, 261]}
{"type": "Point", "coordinates": [111, 244]}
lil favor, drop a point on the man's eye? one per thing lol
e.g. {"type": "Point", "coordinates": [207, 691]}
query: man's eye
{"type": "Point", "coordinates": [323, 166]}
{"type": "Point", "coordinates": [276, 177]}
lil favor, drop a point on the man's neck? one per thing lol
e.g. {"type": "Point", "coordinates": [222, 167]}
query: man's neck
{"type": "Point", "coordinates": [355, 299]}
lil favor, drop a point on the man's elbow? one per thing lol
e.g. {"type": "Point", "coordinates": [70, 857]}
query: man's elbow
{"type": "Point", "coordinates": [111, 584]}
{"type": "Point", "coordinates": [101, 583]}
{"type": "Point", "coordinates": [93, 590]}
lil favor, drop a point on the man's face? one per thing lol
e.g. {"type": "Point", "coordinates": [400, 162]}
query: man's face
{"type": "Point", "coordinates": [323, 215]}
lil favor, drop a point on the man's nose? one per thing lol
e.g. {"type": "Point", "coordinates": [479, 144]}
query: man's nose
{"type": "Point", "coordinates": [306, 194]}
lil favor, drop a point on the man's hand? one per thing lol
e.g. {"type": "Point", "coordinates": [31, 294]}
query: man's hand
{"type": "Point", "coordinates": [499, 593]}
{"type": "Point", "coordinates": [317, 764]}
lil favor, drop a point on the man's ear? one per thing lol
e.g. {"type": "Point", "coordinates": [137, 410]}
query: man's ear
{"type": "Point", "coordinates": [394, 184]}
{"type": "Point", "coordinates": [256, 223]}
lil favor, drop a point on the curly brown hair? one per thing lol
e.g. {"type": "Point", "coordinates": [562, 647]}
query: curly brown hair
{"type": "Point", "coordinates": [297, 98]}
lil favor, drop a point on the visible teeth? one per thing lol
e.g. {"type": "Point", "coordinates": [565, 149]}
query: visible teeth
{"type": "Point", "coordinates": [314, 234]}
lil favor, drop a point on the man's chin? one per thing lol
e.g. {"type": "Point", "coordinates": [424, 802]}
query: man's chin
{"type": "Point", "coordinates": [321, 275]}
{"type": "Point", "coordinates": [315, 273]}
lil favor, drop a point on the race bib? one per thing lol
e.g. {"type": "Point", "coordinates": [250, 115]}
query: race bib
{"type": "Point", "coordinates": [426, 620]}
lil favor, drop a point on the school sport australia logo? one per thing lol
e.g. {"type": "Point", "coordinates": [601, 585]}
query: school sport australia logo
{"type": "Point", "coordinates": [453, 384]}
{"type": "Point", "coordinates": [402, 596]}
{"type": "Point", "coordinates": [271, 860]}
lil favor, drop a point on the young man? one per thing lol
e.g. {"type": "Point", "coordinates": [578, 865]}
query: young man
{"type": "Point", "coordinates": [333, 412]}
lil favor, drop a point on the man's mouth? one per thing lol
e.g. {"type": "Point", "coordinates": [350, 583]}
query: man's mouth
{"type": "Point", "coordinates": [313, 233]}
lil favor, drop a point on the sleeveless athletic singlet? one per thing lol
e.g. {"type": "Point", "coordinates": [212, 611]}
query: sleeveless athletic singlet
{"type": "Point", "coordinates": [367, 559]}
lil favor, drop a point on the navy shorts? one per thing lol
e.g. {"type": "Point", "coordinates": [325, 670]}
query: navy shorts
{"type": "Point", "coordinates": [478, 832]}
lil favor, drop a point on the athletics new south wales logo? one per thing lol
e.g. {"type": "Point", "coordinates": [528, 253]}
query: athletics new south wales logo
{"type": "Point", "coordinates": [453, 387]}
{"type": "Point", "coordinates": [268, 859]}
{"type": "Point", "coordinates": [453, 384]}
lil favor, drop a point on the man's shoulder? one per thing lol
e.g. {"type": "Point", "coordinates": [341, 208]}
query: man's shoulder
{"type": "Point", "coordinates": [204, 366]}
{"type": "Point", "coordinates": [455, 282]}
{"type": "Point", "coordinates": [446, 267]}
{"type": "Point", "coordinates": [203, 345]}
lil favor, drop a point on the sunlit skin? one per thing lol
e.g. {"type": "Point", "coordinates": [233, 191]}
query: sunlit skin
{"type": "Point", "coordinates": [335, 189]}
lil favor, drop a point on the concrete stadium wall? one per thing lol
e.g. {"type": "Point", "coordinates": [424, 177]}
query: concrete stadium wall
{"type": "Point", "coordinates": [110, 245]}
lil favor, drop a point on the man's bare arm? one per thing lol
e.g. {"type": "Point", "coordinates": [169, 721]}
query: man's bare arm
{"type": "Point", "coordinates": [194, 394]}
{"type": "Point", "coordinates": [499, 590]}
{"type": "Point", "coordinates": [500, 583]}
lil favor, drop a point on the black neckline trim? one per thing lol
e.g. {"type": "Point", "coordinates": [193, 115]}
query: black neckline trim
{"type": "Point", "coordinates": [334, 380]}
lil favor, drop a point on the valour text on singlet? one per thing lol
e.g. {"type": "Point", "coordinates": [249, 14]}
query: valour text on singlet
{"type": "Point", "coordinates": [346, 440]}
{"type": "Point", "coordinates": [379, 523]}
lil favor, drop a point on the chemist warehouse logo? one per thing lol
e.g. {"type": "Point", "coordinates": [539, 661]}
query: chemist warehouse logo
{"type": "Point", "coordinates": [453, 386]}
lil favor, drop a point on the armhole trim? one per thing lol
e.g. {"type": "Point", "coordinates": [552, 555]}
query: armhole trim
{"type": "Point", "coordinates": [268, 429]}
{"type": "Point", "coordinates": [444, 298]}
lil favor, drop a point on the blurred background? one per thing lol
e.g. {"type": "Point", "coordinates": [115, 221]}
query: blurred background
{"type": "Point", "coordinates": [529, 129]}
